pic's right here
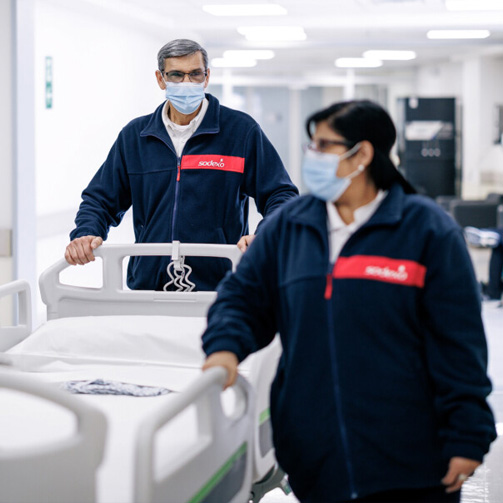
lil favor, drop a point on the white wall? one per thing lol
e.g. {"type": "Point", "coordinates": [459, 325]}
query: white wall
{"type": "Point", "coordinates": [482, 76]}
{"type": "Point", "coordinates": [440, 80]}
{"type": "Point", "coordinates": [6, 142]}
{"type": "Point", "coordinates": [103, 77]}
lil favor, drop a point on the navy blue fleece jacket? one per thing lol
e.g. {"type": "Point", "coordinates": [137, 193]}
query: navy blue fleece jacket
{"type": "Point", "coordinates": [201, 197]}
{"type": "Point", "coordinates": [383, 373]}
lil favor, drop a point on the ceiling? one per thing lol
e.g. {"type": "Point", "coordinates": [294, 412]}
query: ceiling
{"type": "Point", "coordinates": [334, 28]}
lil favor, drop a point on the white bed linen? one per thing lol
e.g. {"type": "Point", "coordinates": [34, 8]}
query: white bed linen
{"type": "Point", "coordinates": [147, 350]}
{"type": "Point", "coordinates": [123, 413]}
{"type": "Point", "coordinates": [118, 340]}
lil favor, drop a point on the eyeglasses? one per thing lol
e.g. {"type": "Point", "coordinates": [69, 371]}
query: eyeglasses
{"type": "Point", "coordinates": [322, 144]}
{"type": "Point", "coordinates": [196, 76]}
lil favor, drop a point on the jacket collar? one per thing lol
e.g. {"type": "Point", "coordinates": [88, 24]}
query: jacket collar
{"type": "Point", "coordinates": [312, 211]}
{"type": "Point", "coordinates": [211, 122]}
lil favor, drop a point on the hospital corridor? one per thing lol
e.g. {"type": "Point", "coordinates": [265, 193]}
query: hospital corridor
{"type": "Point", "coordinates": [251, 251]}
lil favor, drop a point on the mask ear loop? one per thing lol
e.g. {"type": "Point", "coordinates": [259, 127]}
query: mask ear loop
{"type": "Point", "coordinates": [360, 169]}
{"type": "Point", "coordinates": [352, 151]}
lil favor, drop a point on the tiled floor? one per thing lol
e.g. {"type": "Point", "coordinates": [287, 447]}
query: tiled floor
{"type": "Point", "coordinates": [486, 486]}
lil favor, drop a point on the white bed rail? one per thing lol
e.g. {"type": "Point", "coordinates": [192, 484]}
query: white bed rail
{"type": "Point", "coordinates": [222, 457]}
{"type": "Point", "coordinates": [62, 471]}
{"type": "Point", "coordinates": [11, 335]}
{"type": "Point", "coordinates": [112, 298]}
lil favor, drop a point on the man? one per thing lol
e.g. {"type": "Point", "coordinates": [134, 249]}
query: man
{"type": "Point", "coordinates": [490, 238]}
{"type": "Point", "coordinates": [187, 170]}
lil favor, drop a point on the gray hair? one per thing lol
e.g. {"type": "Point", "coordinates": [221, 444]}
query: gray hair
{"type": "Point", "coordinates": [180, 47]}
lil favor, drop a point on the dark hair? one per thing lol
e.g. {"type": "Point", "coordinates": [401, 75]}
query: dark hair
{"type": "Point", "coordinates": [359, 120]}
{"type": "Point", "coordinates": [178, 48]}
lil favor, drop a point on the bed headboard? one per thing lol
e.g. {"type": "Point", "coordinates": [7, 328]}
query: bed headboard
{"type": "Point", "coordinates": [113, 298]}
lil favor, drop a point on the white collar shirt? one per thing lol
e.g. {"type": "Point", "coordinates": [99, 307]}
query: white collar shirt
{"type": "Point", "coordinates": [180, 134]}
{"type": "Point", "coordinates": [339, 232]}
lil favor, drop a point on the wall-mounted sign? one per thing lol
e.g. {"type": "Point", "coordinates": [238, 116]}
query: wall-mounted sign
{"type": "Point", "coordinates": [48, 82]}
{"type": "Point", "coordinates": [429, 130]}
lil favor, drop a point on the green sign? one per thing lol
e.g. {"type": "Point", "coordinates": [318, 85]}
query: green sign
{"type": "Point", "coordinates": [48, 82]}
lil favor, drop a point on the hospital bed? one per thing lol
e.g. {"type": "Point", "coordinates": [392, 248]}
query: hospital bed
{"type": "Point", "coordinates": [192, 444]}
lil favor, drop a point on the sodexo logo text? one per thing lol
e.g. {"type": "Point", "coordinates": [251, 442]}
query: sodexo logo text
{"type": "Point", "coordinates": [212, 164]}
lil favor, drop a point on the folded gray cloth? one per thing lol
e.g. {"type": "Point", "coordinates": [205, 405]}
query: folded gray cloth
{"type": "Point", "coordinates": [103, 387]}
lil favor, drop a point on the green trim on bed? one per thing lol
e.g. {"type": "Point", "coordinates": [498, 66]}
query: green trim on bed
{"type": "Point", "coordinates": [219, 475]}
{"type": "Point", "coordinates": [264, 415]}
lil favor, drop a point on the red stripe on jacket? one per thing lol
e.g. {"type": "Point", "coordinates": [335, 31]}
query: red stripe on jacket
{"type": "Point", "coordinates": [389, 270]}
{"type": "Point", "coordinates": [217, 162]}
{"type": "Point", "coordinates": [374, 268]}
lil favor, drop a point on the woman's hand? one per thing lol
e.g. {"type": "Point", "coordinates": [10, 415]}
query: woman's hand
{"type": "Point", "coordinates": [225, 359]}
{"type": "Point", "coordinates": [245, 242]}
{"type": "Point", "coordinates": [459, 470]}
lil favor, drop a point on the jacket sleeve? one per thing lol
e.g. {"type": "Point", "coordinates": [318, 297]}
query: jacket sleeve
{"type": "Point", "coordinates": [242, 319]}
{"type": "Point", "coordinates": [456, 349]}
{"type": "Point", "coordinates": [266, 179]}
{"type": "Point", "coordinates": [106, 198]}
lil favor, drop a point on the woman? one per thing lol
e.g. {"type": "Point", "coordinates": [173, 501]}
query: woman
{"type": "Point", "coordinates": [380, 392]}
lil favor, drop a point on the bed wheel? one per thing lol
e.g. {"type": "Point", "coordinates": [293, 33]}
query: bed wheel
{"type": "Point", "coordinates": [275, 478]}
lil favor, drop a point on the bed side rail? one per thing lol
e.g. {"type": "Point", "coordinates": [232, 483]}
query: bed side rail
{"type": "Point", "coordinates": [219, 467]}
{"type": "Point", "coordinates": [63, 470]}
{"type": "Point", "coordinates": [261, 371]}
{"type": "Point", "coordinates": [68, 300]}
{"type": "Point", "coordinates": [12, 334]}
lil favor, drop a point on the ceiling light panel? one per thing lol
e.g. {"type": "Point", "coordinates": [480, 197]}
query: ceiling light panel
{"type": "Point", "coordinates": [273, 33]}
{"type": "Point", "coordinates": [457, 34]}
{"type": "Point", "coordinates": [265, 9]}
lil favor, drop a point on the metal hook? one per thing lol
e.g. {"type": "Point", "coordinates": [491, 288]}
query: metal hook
{"type": "Point", "coordinates": [178, 271]}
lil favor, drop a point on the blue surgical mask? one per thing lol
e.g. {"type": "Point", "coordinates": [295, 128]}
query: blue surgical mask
{"type": "Point", "coordinates": [185, 96]}
{"type": "Point", "coordinates": [319, 171]}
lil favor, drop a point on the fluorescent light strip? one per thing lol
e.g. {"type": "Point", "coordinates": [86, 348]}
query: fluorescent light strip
{"type": "Point", "coordinates": [249, 53]}
{"type": "Point", "coordinates": [457, 34]}
{"type": "Point", "coordinates": [272, 33]}
{"type": "Point", "coordinates": [386, 55]}
{"type": "Point", "coordinates": [266, 9]}
{"type": "Point", "coordinates": [233, 63]}
{"type": "Point", "coordinates": [357, 63]}
{"type": "Point", "coordinates": [473, 5]}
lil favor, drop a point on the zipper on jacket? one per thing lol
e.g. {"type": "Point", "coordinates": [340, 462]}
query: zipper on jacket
{"type": "Point", "coordinates": [337, 391]}
{"type": "Point", "coordinates": [329, 286]}
{"type": "Point", "coordinates": [178, 175]}
{"type": "Point", "coordinates": [177, 183]}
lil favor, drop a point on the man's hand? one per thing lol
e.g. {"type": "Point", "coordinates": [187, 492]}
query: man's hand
{"type": "Point", "coordinates": [80, 250]}
{"type": "Point", "coordinates": [225, 359]}
{"type": "Point", "coordinates": [245, 242]}
{"type": "Point", "coordinates": [459, 470]}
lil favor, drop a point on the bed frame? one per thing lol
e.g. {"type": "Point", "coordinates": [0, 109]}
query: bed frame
{"type": "Point", "coordinates": [113, 298]}
{"type": "Point", "coordinates": [13, 334]}
{"type": "Point", "coordinates": [227, 471]}
{"type": "Point", "coordinates": [60, 472]}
